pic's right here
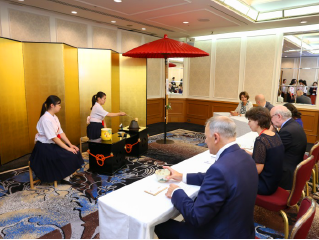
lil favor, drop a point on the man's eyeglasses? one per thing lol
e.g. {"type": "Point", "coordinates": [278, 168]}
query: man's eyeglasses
{"type": "Point", "coordinates": [273, 115]}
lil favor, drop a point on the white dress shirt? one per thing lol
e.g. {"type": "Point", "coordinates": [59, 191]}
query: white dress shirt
{"type": "Point", "coordinates": [48, 127]}
{"type": "Point", "coordinates": [97, 113]}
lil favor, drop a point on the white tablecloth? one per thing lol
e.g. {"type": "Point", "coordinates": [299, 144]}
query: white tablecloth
{"type": "Point", "coordinates": [129, 212]}
{"type": "Point", "coordinates": [241, 122]}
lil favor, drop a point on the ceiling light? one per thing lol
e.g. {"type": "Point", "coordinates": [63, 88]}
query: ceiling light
{"type": "Point", "coordinates": [143, 28]}
{"type": "Point", "coordinates": [239, 6]}
{"type": "Point", "coordinates": [303, 22]}
{"type": "Point", "coordinates": [301, 11]}
{"type": "Point", "coordinates": [74, 12]}
{"type": "Point", "coordinates": [20, 0]}
{"type": "Point", "coordinates": [185, 22]}
{"type": "Point", "coordinates": [252, 13]}
{"type": "Point", "coordinates": [117, 0]}
{"type": "Point", "coordinates": [113, 21]}
{"type": "Point", "coordinates": [269, 15]}
{"type": "Point", "coordinates": [285, 56]}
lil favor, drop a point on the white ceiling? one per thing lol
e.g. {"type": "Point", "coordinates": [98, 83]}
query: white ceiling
{"type": "Point", "coordinates": [161, 17]}
{"type": "Point", "coordinates": [270, 5]}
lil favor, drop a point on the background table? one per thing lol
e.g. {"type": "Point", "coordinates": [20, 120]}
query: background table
{"type": "Point", "coordinates": [241, 122]}
{"type": "Point", "coordinates": [129, 212]}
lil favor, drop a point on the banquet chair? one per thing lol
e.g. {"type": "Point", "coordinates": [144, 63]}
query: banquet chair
{"type": "Point", "coordinates": [32, 182]}
{"type": "Point", "coordinates": [282, 199]}
{"type": "Point", "coordinates": [315, 153]}
{"type": "Point", "coordinates": [305, 217]}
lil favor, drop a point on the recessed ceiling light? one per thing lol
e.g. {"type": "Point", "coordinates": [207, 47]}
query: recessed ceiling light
{"type": "Point", "coordinates": [113, 21]}
{"type": "Point", "coordinates": [303, 22]}
{"type": "Point", "coordinates": [285, 56]}
{"type": "Point", "coordinates": [143, 28]}
{"type": "Point", "coordinates": [117, 0]}
{"type": "Point", "coordinates": [185, 22]}
{"type": "Point", "coordinates": [21, 0]}
{"type": "Point", "coordinates": [74, 12]}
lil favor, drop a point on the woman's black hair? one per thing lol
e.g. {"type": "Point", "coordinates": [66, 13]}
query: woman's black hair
{"type": "Point", "coordinates": [304, 82]}
{"type": "Point", "coordinates": [52, 99]}
{"type": "Point", "coordinates": [294, 111]}
{"type": "Point", "coordinates": [293, 81]}
{"type": "Point", "coordinates": [96, 96]}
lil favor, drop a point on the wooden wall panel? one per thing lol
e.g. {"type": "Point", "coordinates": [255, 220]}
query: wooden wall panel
{"type": "Point", "coordinates": [198, 111]}
{"type": "Point", "coordinates": [310, 124]}
{"type": "Point", "coordinates": [177, 113]}
{"type": "Point", "coordinates": [155, 110]}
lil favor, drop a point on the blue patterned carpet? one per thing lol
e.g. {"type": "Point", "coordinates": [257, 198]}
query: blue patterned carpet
{"type": "Point", "coordinates": [70, 211]}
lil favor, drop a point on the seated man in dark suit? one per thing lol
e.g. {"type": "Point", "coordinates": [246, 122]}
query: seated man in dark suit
{"type": "Point", "coordinates": [261, 101]}
{"type": "Point", "coordinates": [224, 207]}
{"type": "Point", "coordinates": [301, 98]}
{"type": "Point", "coordinates": [295, 142]}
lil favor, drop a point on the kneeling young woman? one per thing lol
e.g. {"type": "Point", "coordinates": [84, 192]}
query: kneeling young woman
{"type": "Point", "coordinates": [53, 159]}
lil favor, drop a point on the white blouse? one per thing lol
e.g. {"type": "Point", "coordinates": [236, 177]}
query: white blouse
{"type": "Point", "coordinates": [48, 127]}
{"type": "Point", "coordinates": [97, 113]}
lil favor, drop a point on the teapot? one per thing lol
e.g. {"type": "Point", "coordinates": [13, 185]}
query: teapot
{"type": "Point", "coordinates": [134, 125]}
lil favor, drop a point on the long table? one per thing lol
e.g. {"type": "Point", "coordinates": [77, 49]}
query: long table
{"type": "Point", "coordinates": [129, 212]}
{"type": "Point", "coordinates": [241, 122]}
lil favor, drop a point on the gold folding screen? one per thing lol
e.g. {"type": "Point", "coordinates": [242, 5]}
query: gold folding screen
{"type": "Point", "coordinates": [44, 76]}
{"type": "Point", "coordinates": [133, 89]}
{"type": "Point", "coordinates": [72, 96]}
{"type": "Point", "coordinates": [94, 76]}
{"type": "Point", "coordinates": [14, 132]}
{"type": "Point", "coordinates": [30, 72]}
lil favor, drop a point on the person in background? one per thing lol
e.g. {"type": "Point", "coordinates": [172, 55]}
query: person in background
{"type": "Point", "coordinates": [305, 89]}
{"type": "Point", "coordinates": [296, 115]}
{"type": "Point", "coordinates": [97, 115]}
{"type": "Point", "coordinates": [180, 89]}
{"type": "Point", "coordinates": [173, 82]}
{"type": "Point", "coordinates": [301, 98]}
{"type": "Point", "coordinates": [243, 106]}
{"type": "Point", "coordinates": [261, 101]}
{"type": "Point", "coordinates": [313, 93]}
{"type": "Point", "coordinates": [224, 207]}
{"type": "Point", "coordinates": [284, 89]}
{"type": "Point", "coordinates": [294, 139]}
{"type": "Point", "coordinates": [279, 97]}
{"type": "Point", "coordinates": [291, 91]}
{"type": "Point", "coordinates": [53, 157]}
{"type": "Point", "coordinates": [268, 151]}
{"type": "Point", "coordinates": [181, 83]}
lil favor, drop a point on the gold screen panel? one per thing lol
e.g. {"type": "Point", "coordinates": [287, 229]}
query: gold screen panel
{"type": "Point", "coordinates": [44, 76]}
{"type": "Point", "coordinates": [133, 89]}
{"type": "Point", "coordinates": [116, 90]}
{"type": "Point", "coordinates": [14, 134]}
{"type": "Point", "coordinates": [72, 97]}
{"type": "Point", "coordinates": [94, 76]}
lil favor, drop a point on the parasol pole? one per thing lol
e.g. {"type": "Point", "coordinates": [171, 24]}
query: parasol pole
{"type": "Point", "coordinates": [166, 99]}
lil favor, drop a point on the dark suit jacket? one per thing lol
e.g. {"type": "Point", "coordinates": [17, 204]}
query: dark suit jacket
{"type": "Point", "coordinates": [268, 105]}
{"type": "Point", "coordinates": [224, 207]}
{"type": "Point", "coordinates": [295, 142]}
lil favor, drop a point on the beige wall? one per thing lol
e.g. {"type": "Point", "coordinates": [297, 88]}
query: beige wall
{"type": "Point", "coordinates": [236, 64]}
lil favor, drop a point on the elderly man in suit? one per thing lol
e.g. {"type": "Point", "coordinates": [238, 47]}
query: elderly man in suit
{"type": "Point", "coordinates": [261, 101]}
{"type": "Point", "coordinates": [224, 207]}
{"type": "Point", "coordinates": [295, 142]}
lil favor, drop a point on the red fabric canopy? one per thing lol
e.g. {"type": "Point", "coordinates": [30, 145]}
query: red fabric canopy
{"type": "Point", "coordinates": [165, 48]}
{"type": "Point", "coordinates": [171, 65]}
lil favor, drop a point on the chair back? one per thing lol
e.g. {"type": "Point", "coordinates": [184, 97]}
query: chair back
{"type": "Point", "coordinates": [305, 217]}
{"type": "Point", "coordinates": [315, 152]}
{"type": "Point", "coordinates": [301, 176]}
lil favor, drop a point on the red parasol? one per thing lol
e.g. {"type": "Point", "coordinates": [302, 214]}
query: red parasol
{"type": "Point", "coordinates": [165, 48]}
{"type": "Point", "coordinates": [171, 65]}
